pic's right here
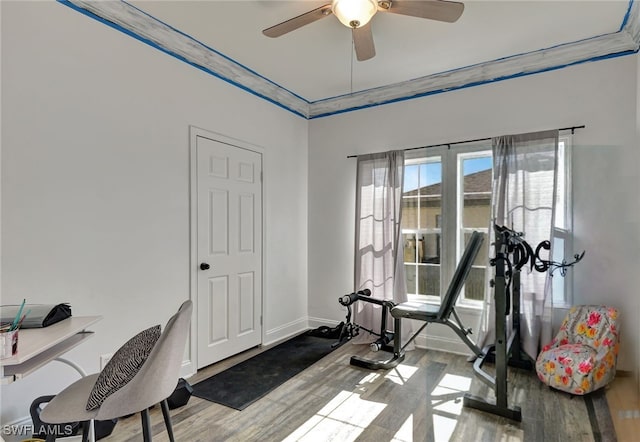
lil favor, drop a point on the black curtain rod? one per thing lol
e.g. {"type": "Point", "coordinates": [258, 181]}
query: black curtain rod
{"type": "Point", "coordinates": [572, 129]}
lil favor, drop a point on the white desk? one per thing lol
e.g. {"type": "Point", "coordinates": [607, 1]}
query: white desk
{"type": "Point", "coordinates": [39, 346]}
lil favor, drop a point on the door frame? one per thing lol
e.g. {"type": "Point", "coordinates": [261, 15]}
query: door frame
{"type": "Point", "coordinates": [194, 133]}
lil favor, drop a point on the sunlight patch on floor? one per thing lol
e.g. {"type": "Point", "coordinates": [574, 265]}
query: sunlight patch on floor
{"type": "Point", "coordinates": [342, 419]}
{"type": "Point", "coordinates": [401, 374]}
{"type": "Point", "coordinates": [405, 433]}
{"type": "Point", "coordinates": [347, 415]}
{"type": "Point", "coordinates": [443, 427]}
{"type": "Point", "coordinates": [446, 403]}
{"type": "Point", "coordinates": [371, 378]}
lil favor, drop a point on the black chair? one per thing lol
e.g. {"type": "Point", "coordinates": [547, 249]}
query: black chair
{"type": "Point", "coordinates": [445, 313]}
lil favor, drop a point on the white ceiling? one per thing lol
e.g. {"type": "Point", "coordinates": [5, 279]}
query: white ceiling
{"type": "Point", "coordinates": [315, 62]}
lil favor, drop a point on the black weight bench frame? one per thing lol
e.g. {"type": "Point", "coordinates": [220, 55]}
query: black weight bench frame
{"type": "Point", "coordinates": [430, 313]}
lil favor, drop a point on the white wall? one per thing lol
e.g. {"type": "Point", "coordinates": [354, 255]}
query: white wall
{"type": "Point", "coordinates": [637, 310]}
{"type": "Point", "coordinates": [95, 182]}
{"type": "Point", "coordinates": [601, 95]}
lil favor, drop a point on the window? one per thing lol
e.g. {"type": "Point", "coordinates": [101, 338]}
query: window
{"type": "Point", "coordinates": [563, 227]}
{"type": "Point", "coordinates": [446, 196]}
{"type": "Point", "coordinates": [421, 229]}
{"type": "Point", "coordinates": [475, 178]}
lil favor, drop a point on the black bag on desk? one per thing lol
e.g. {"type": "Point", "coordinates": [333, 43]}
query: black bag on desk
{"type": "Point", "coordinates": [40, 315]}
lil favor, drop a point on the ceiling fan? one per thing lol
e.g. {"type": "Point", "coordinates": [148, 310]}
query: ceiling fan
{"type": "Point", "coordinates": [356, 14]}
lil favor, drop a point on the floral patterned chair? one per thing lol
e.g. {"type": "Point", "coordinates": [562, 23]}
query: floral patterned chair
{"type": "Point", "coordinates": [582, 357]}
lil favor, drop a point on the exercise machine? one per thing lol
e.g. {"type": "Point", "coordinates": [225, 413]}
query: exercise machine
{"type": "Point", "coordinates": [385, 336]}
{"type": "Point", "coordinates": [351, 330]}
{"type": "Point", "coordinates": [506, 347]}
{"type": "Point", "coordinates": [445, 314]}
{"type": "Point", "coordinates": [512, 253]}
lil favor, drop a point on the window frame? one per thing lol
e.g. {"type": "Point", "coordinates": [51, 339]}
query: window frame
{"type": "Point", "coordinates": [475, 151]}
{"type": "Point", "coordinates": [565, 233]}
{"type": "Point", "coordinates": [451, 184]}
{"type": "Point", "coordinates": [414, 159]}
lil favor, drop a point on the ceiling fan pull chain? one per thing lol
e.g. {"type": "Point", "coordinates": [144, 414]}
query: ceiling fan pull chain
{"type": "Point", "coordinates": [351, 72]}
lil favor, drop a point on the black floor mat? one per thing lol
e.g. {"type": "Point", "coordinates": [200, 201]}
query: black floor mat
{"type": "Point", "coordinates": [248, 381]}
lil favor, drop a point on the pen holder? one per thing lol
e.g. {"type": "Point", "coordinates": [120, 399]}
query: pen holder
{"type": "Point", "coordinates": [8, 344]}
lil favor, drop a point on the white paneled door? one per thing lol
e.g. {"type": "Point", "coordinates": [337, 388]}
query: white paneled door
{"type": "Point", "coordinates": [229, 249]}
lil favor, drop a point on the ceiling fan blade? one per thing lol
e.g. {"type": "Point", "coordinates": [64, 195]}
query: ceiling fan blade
{"type": "Point", "coordinates": [439, 10]}
{"type": "Point", "coordinates": [298, 22]}
{"type": "Point", "coordinates": [363, 42]}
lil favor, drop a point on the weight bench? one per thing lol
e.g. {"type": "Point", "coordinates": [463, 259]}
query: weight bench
{"type": "Point", "coordinates": [445, 313]}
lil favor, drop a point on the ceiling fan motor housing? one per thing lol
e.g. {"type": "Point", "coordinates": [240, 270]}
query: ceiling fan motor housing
{"type": "Point", "coordinates": [354, 13]}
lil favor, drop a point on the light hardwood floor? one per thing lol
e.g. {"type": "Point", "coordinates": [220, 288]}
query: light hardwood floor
{"type": "Point", "coordinates": [418, 401]}
{"type": "Point", "coordinates": [624, 404]}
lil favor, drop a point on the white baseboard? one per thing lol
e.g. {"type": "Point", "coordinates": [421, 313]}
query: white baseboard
{"type": "Point", "coordinates": [285, 331]}
{"type": "Point", "coordinates": [442, 344]}
{"type": "Point", "coordinates": [424, 341]}
{"type": "Point", "coordinates": [188, 369]}
{"type": "Point", "coordinates": [318, 322]}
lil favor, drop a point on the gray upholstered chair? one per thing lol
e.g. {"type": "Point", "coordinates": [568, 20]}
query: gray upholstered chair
{"type": "Point", "coordinates": [109, 394]}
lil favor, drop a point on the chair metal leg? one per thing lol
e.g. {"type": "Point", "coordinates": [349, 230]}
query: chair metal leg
{"type": "Point", "coordinates": [167, 419]}
{"type": "Point", "coordinates": [146, 425]}
{"type": "Point", "coordinates": [85, 431]}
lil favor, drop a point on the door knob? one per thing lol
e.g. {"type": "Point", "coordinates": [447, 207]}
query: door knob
{"type": "Point", "coordinates": [204, 266]}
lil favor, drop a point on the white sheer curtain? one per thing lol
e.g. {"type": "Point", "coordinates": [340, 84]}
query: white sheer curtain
{"type": "Point", "coordinates": [524, 196]}
{"type": "Point", "coordinates": [378, 249]}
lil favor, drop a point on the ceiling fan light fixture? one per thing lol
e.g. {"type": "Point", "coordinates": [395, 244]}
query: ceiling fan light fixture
{"type": "Point", "coordinates": [354, 13]}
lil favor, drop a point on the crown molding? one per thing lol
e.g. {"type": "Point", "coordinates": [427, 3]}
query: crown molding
{"type": "Point", "coordinates": [597, 48]}
{"type": "Point", "coordinates": [136, 23]}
